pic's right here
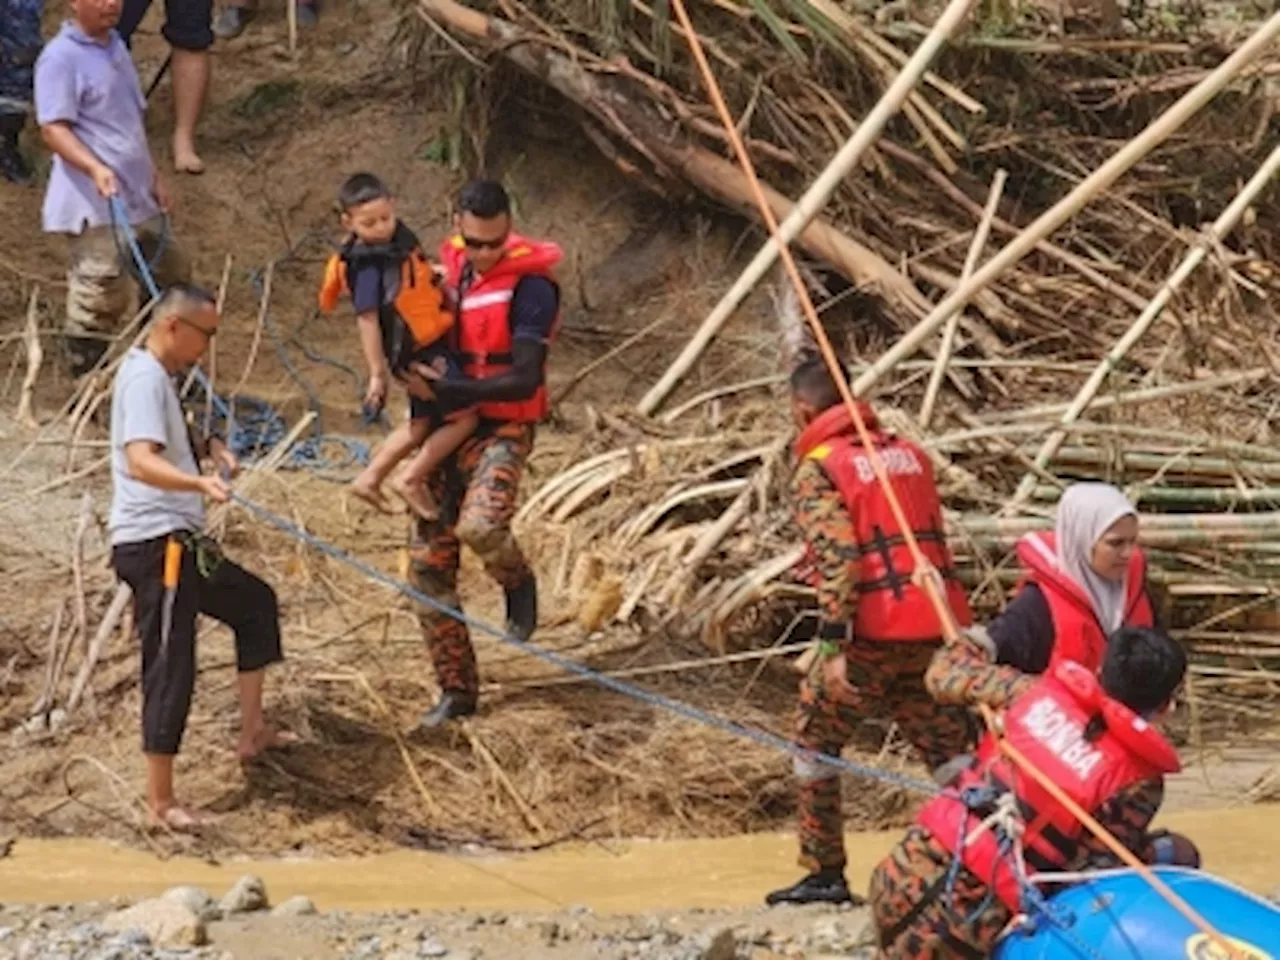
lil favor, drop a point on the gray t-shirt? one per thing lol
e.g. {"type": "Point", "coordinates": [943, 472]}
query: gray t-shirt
{"type": "Point", "coordinates": [145, 406]}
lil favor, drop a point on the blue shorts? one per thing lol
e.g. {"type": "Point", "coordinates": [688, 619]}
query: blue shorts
{"type": "Point", "coordinates": [439, 356]}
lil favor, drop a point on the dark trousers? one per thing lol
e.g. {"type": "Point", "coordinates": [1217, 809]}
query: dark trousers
{"type": "Point", "coordinates": [187, 23]}
{"type": "Point", "coordinates": [228, 593]}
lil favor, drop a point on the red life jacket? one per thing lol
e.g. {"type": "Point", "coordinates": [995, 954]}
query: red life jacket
{"type": "Point", "coordinates": [1047, 725]}
{"type": "Point", "coordinates": [1077, 634]}
{"type": "Point", "coordinates": [890, 606]}
{"type": "Point", "coordinates": [483, 328]}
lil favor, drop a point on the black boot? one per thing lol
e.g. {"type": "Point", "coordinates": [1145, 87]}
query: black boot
{"type": "Point", "coordinates": [13, 166]}
{"type": "Point", "coordinates": [522, 608]}
{"type": "Point", "coordinates": [452, 704]}
{"type": "Point", "coordinates": [825, 886]}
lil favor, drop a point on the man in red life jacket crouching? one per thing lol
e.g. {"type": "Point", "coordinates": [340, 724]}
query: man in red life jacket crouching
{"type": "Point", "coordinates": [877, 630]}
{"type": "Point", "coordinates": [507, 313]}
{"type": "Point", "coordinates": [1093, 736]}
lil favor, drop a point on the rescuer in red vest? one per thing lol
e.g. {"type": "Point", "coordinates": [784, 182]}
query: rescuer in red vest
{"type": "Point", "coordinates": [507, 313]}
{"type": "Point", "coordinates": [1092, 735]}
{"type": "Point", "coordinates": [877, 630]}
{"type": "Point", "coordinates": [1080, 583]}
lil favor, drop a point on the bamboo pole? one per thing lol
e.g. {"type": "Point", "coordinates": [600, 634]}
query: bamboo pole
{"type": "Point", "coordinates": [35, 354]}
{"type": "Point", "coordinates": [1133, 396]}
{"type": "Point", "coordinates": [953, 322]}
{"type": "Point", "coordinates": [1103, 177]}
{"type": "Point", "coordinates": [812, 202]}
{"type": "Point", "coordinates": [1216, 234]}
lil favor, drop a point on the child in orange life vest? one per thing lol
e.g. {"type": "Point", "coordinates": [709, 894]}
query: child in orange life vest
{"type": "Point", "coordinates": [1093, 737]}
{"type": "Point", "coordinates": [403, 323]}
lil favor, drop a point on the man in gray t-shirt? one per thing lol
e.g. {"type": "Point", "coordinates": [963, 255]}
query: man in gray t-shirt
{"type": "Point", "coordinates": [157, 514]}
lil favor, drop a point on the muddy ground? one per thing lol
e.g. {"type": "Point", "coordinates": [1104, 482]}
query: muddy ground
{"type": "Point", "coordinates": [545, 761]}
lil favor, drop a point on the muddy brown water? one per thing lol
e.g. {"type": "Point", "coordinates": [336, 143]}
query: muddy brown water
{"type": "Point", "coordinates": [631, 876]}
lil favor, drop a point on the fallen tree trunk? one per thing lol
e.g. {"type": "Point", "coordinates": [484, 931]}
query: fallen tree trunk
{"type": "Point", "coordinates": [670, 151]}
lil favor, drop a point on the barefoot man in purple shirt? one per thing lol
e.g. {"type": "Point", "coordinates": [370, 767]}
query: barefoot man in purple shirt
{"type": "Point", "coordinates": [89, 106]}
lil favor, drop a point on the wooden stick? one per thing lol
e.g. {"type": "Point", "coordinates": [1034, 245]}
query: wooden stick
{"type": "Point", "coordinates": [1221, 227]}
{"type": "Point", "coordinates": [1103, 177]}
{"type": "Point", "coordinates": [1133, 396]}
{"type": "Point", "coordinates": [35, 355]}
{"type": "Point", "coordinates": [291, 7]}
{"type": "Point", "coordinates": [500, 775]}
{"type": "Point", "coordinates": [953, 322]}
{"type": "Point", "coordinates": [608, 355]}
{"type": "Point", "coordinates": [77, 567]}
{"type": "Point", "coordinates": [45, 700]}
{"type": "Point", "coordinates": [813, 200]}
{"type": "Point", "coordinates": [119, 603]}
{"type": "Point", "coordinates": [106, 364]}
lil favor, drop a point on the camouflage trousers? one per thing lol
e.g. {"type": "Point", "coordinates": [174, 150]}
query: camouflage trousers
{"type": "Point", "coordinates": [100, 285]}
{"type": "Point", "coordinates": [476, 491]}
{"type": "Point", "coordinates": [20, 44]}
{"type": "Point", "coordinates": [888, 682]}
{"type": "Point", "coordinates": [918, 918]}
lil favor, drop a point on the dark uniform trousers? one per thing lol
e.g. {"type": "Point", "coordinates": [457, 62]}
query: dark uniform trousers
{"type": "Point", "coordinates": [477, 493]}
{"type": "Point", "coordinates": [888, 681]}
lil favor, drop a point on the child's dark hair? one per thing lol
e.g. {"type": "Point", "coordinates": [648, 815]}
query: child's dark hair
{"type": "Point", "coordinates": [812, 382]}
{"type": "Point", "coordinates": [361, 188]}
{"type": "Point", "coordinates": [485, 199]}
{"type": "Point", "coordinates": [1142, 668]}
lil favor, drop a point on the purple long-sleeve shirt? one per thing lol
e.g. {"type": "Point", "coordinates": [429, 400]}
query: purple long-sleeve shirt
{"type": "Point", "coordinates": [93, 87]}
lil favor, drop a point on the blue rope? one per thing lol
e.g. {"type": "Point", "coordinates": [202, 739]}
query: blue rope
{"type": "Point", "coordinates": [677, 707]}
{"type": "Point", "coordinates": [263, 419]}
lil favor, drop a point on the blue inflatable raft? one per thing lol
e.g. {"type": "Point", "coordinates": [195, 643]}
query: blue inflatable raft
{"type": "Point", "coordinates": [1119, 916]}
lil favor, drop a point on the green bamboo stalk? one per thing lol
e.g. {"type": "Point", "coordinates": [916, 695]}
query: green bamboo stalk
{"type": "Point", "coordinates": [1200, 496]}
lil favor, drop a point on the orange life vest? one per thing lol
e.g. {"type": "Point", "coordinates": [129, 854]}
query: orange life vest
{"type": "Point", "coordinates": [890, 606]}
{"type": "Point", "coordinates": [1077, 634]}
{"type": "Point", "coordinates": [418, 297]}
{"type": "Point", "coordinates": [1047, 724]}
{"type": "Point", "coordinates": [482, 333]}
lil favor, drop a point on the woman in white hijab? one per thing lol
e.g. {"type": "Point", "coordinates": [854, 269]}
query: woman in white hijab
{"type": "Point", "coordinates": [1080, 583]}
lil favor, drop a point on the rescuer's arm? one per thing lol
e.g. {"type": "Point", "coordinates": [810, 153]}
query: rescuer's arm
{"type": "Point", "coordinates": [832, 544]}
{"type": "Point", "coordinates": [964, 673]}
{"type": "Point", "coordinates": [532, 316]}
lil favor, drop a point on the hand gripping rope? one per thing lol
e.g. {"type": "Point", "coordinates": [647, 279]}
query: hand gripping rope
{"type": "Point", "coordinates": [924, 575]}
{"type": "Point", "coordinates": [762, 737]}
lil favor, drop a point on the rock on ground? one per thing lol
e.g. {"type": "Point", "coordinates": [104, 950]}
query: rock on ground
{"type": "Point", "coordinates": [166, 924]}
{"type": "Point", "coordinates": [294, 907]}
{"type": "Point", "coordinates": [194, 899]}
{"type": "Point", "coordinates": [248, 894]}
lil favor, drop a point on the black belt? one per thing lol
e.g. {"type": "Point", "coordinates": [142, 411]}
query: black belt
{"type": "Point", "coordinates": [487, 358]}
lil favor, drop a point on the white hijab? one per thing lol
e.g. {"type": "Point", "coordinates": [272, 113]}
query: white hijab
{"type": "Point", "coordinates": [1085, 512]}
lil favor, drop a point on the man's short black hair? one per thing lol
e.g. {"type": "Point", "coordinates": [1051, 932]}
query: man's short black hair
{"type": "Point", "coordinates": [179, 297]}
{"type": "Point", "coordinates": [485, 199]}
{"type": "Point", "coordinates": [812, 382]}
{"type": "Point", "coordinates": [361, 188]}
{"type": "Point", "coordinates": [1142, 668]}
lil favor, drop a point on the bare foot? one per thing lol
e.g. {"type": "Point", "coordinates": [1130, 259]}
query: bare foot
{"type": "Point", "coordinates": [417, 497]}
{"type": "Point", "coordinates": [186, 160]}
{"type": "Point", "coordinates": [255, 743]}
{"type": "Point", "coordinates": [370, 494]}
{"type": "Point", "coordinates": [179, 819]}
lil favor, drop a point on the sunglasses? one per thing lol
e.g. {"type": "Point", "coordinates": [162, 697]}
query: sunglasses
{"type": "Point", "coordinates": [475, 243]}
{"type": "Point", "coordinates": [208, 334]}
